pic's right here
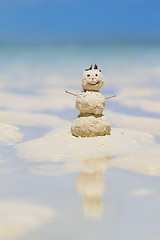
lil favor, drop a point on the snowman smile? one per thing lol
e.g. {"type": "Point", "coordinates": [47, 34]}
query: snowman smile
{"type": "Point", "coordinates": [93, 84]}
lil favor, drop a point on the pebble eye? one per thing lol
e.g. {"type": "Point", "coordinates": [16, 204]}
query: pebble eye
{"type": "Point", "coordinates": [96, 75]}
{"type": "Point", "coordinates": [88, 75]}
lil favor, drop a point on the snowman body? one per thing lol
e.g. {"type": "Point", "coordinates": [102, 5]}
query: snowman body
{"type": "Point", "coordinates": [91, 103]}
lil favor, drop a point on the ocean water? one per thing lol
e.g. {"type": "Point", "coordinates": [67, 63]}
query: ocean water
{"type": "Point", "coordinates": [48, 193]}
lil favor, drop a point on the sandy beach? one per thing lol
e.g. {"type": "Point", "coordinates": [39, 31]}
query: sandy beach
{"type": "Point", "coordinates": [51, 179]}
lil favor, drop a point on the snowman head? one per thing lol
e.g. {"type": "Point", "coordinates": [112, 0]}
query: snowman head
{"type": "Point", "coordinates": [92, 79]}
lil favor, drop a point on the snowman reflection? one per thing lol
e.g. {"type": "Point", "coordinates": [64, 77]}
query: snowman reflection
{"type": "Point", "coordinates": [91, 184]}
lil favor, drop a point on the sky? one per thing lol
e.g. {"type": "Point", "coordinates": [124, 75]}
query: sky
{"type": "Point", "coordinates": [78, 19]}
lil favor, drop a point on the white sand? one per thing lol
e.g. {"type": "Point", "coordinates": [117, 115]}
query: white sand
{"type": "Point", "coordinates": [132, 150]}
{"type": "Point", "coordinates": [59, 144]}
{"type": "Point", "coordinates": [19, 217]}
{"type": "Point", "coordinates": [50, 100]}
{"type": "Point", "coordinates": [32, 119]}
{"type": "Point", "coordinates": [9, 134]}
{"type": "Point", "coordinates": [147, 99]}
{"type": "Point", "coordinates": [150, 125]}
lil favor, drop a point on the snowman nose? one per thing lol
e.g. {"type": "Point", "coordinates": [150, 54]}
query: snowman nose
{"type": "Point", "coordinates": [92, 78]}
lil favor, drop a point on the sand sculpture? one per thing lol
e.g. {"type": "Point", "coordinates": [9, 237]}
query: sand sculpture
{"type": "Point", "coordinates": [91, 103]}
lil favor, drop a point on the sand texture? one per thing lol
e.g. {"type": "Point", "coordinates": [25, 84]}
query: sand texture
{"type": "Point", "coordinates": [92, 80]}
{"type": "Point", "coordinates": [133, 150]}
{"type": "Point", "coordinates": [90, 125]}
{"type": "Point", "coordinates": [90, 102]}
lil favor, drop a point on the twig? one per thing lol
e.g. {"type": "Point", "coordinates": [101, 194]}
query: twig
{"type": "Point", "coordinates": [76, 95]}
{"type": "Point", "coordinates": [71, 93]}
{"type": "Point", "coordinates": [111, 97]}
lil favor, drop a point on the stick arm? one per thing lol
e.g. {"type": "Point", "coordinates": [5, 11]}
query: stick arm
{"type": "Point", "coordinates": [110, 97]}
{"type": "Point", "coordinates": [71, 93]}
{"type": "Point", "coordinates": [76, 95]}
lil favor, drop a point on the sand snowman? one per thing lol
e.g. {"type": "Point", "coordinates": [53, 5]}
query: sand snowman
{"type": "Point", "coordinates": [91, 103]}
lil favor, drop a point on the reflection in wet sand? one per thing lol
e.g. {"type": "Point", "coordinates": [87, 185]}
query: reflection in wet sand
{"type": "Point", "coordinates": [91, 185]}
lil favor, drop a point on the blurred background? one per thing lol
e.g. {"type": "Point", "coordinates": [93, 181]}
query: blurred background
{"type": "Point", "coordinates": [49, 43]}
{"type": "Point", "coordinates": [52, 21]}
